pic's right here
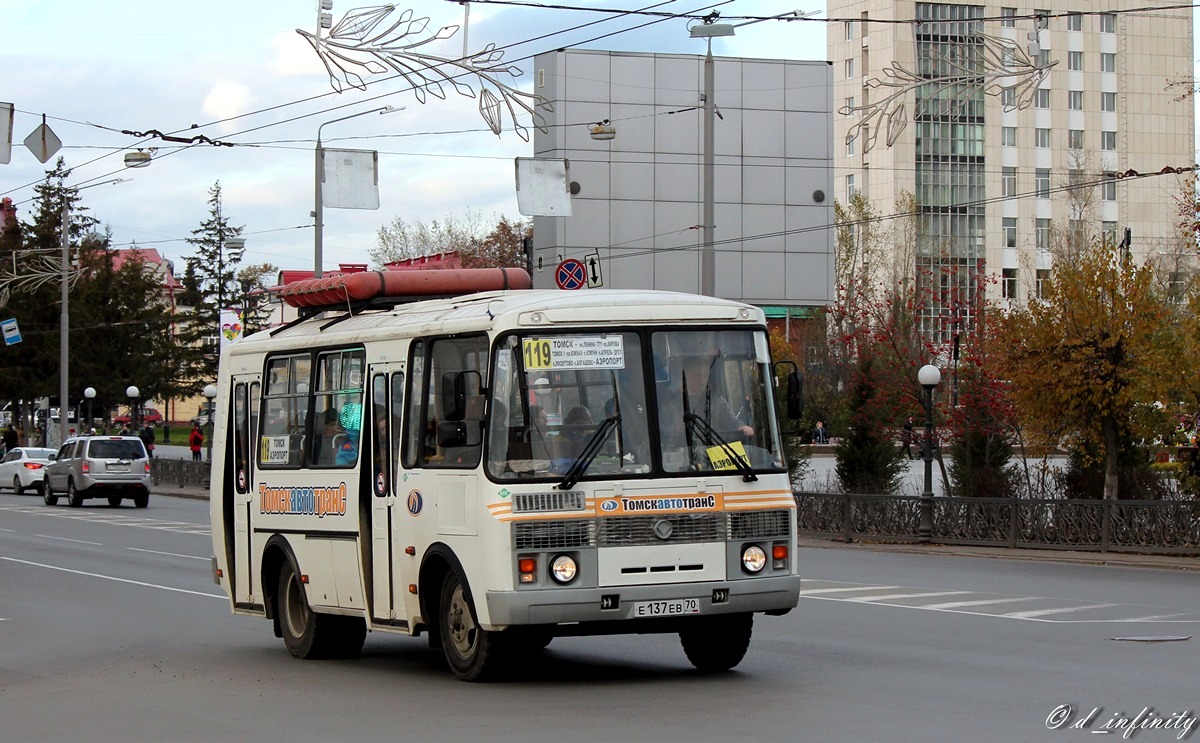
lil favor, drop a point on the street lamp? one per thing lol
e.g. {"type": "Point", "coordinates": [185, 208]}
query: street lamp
{"type": "Point", "coordinates": [132, 393]}
{"type": "Point", "coordinates": [318, 180]}
{"type": "Point", "coordinates": [928, 376]}
{"type": "Point", "coordinates": [90, 394]}
{"type": "Point", "coordinates": [210, 392]}
{"type": "Point", "coordinates": [707, 30]}
{"type": "Point", "coordinates": [64, 344]}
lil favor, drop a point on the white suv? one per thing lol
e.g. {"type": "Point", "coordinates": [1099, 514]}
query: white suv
{"type": "Point", "coordinates": [112, 467]}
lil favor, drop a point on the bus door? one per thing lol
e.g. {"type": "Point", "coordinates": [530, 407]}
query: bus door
{"type": "Point", "coordinates": [239, 485]}
{"type": "Point", "coordinates": [387, 553]}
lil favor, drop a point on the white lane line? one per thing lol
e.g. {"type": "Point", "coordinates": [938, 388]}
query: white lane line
{"type": "Point", "coordinates": [169, 554]}
{"type": "Point", "coordinates": [815, 591]}
{"type": "Point", "coordinates": [64, 539]}
{"type": "Point", "coordinates": [12, 530]}
{"type": "Point", "coordinates": [896, 596]}
{"type": "Point", "coordinates": [113, 578]}
{"type": "Point", "coordinates": [1047, 612]}
{"type": "Point", "coordinates": [981, 602]}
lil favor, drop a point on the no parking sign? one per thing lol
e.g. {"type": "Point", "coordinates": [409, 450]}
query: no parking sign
{"type": "Point", "coordinates": [570, 274]}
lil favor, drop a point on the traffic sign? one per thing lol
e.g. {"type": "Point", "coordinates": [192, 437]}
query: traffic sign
{"type": "Point", "coordinates": [12, 334]}
{"type": "Point", "coordinates": [595, 277]}
{"type": "Point", "coordinates": [571, 274]}
{"type": "Point", "coordinates": [43, 142]}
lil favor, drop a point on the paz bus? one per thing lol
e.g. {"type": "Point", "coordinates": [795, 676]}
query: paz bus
{"type": "Point", "coordinates": [455, 454]}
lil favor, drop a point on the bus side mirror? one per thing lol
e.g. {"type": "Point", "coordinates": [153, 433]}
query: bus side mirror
{"type": "Point", "coordinates": [795, 395]}
{"type": "Point", "coordinates": [454, 396]}
{"type": "Point", "coordinates": [452, 433]}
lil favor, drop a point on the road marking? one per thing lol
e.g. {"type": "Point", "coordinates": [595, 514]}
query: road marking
{"type": "Point", "coordinates": [981, 602]}
{"type": "Point", "coordinates": [1047, 612]}
{"type": "Point", "coordinates": [170, 554]}
{"type": "Point", "coordinates": [896, 596]}
{"type": "Point", "coordinates": [64, 539]}
{"type": "Point", "coordinates": [114, 578]}
{"type": "Point", "coordinates": [114, 519]}
{"type": "Point", "coordinates": [815, 591]}
{"type": "Point", "coordinates": [8, 530]}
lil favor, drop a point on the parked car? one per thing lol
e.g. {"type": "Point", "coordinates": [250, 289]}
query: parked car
{"type": "Point", "coordinates": [113, 467]}
{"type": "Point", "coordinates": [149, 415]}
{"type": "Point", "coordinates": [24, 467]}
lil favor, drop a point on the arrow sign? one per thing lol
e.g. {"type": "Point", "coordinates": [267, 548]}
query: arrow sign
{"type": "Point", "coordinates": [594, 276]}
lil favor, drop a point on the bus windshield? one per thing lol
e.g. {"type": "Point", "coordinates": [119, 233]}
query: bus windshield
{"type": "Point", "coordinates": [663, 402]}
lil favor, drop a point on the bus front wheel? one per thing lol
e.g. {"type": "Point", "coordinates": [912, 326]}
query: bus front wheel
{"type": "Point", "coordinates": [717, 643]}
{"type": "Point", "coordinates": [472, 652]}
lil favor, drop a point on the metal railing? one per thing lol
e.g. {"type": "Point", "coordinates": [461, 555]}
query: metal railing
{"type": "Point", "coordinates": [181, 472]}
{"type": "Point", "coordinates": [1146, 526]}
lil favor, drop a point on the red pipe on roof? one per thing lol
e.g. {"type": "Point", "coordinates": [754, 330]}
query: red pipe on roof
{"type": "Point", "coordinates": [359, 287]}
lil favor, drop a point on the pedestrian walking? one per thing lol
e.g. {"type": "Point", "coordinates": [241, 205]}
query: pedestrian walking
{"type": "Point", "coordinates": [10, 438]}
{"type": "Point", "coordinates": [906, 437]}
{"type": "Point", "coordinates": [820, 433]}
{"type": "Point", "coordinates": [196, 441]}
{"type": "Point", "coordinates": [147, 437]}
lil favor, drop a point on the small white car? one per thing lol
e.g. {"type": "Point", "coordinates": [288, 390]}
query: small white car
{"type": "Point", "coordinates": [25, 468]}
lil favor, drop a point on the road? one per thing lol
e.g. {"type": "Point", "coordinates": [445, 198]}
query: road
{"type": "Point", "coordinates": [111, 629]}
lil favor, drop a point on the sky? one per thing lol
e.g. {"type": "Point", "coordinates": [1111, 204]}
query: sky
{"type": "Point", "coordinates": [239, 73]}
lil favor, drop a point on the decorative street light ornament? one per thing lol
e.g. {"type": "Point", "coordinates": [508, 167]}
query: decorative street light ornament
{"type": "Point", "coordinates": [359, 45]}
{"type": "Point", "coordinates": [603, 130]}
{"type": "Point", "coordinates": [1000, 65]}
{"type": "Point", "coordinates": [137, 159]}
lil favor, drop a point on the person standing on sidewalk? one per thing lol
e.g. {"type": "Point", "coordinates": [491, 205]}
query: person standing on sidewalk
{"type": "Point", "coordinates": [196, 441]}
{"type": "Point", "coordinates": [906, 437]}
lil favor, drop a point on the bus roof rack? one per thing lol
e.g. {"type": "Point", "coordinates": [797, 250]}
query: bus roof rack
{"type": "Point", "coordinates": [389, 288]}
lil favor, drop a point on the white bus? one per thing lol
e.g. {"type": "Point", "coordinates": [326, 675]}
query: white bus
{"type": "Point", "coordinates": [502, 467]}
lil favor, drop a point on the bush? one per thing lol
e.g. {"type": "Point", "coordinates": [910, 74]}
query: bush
{"type": "Point", "coordinates": [868, 461]}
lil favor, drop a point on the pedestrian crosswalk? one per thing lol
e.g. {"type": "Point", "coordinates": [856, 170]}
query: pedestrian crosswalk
{"type": "Point", "coordinates": [1026, 608]}
{"type": "Point", "coordinates": [114, 518]}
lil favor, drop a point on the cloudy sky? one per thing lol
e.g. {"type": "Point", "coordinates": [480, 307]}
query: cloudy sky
{"type": "Point", "coordinates": [238, 72]}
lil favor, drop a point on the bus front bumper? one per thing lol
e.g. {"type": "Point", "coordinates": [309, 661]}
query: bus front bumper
{"type": "Point", "coordinates": [560, 605]}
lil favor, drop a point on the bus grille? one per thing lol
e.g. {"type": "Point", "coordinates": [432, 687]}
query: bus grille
{"type": "Point", "coordinates": [638, 530]}
{"type": "Point", "coordinates": [553, 535]}
{"type": "Point", "coordinates": [759, 524]}
{"type": "Point", "coordinates": [538, 502]}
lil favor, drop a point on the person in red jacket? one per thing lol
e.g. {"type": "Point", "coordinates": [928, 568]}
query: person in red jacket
{"type": "Point", "coordinates": [195, 441]}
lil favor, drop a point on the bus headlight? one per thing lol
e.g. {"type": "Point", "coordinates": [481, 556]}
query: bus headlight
{"type": "Point", "coordinates": [754, 559]}
{"type": "Point", "coordinates": [563, 569]}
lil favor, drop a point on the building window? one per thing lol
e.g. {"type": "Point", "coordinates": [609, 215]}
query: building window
{"type": "Point", "coordinates": [1041, 137]}
{"type": "Point", "coordinates": [1008, 283]}
{"type": "Point", "coordinates": [1043, 283]}
{"type": "Point", "coordinates": [1108, 23]}
{"type": "Point", "coordinates": [1075, 178]}
{"type": "Point", "coordinates": [1008, 136]}
{"type": "Point", "coordinates": [1108, 232]}
{"type": "Point", "coordinates": [1108, 62]}
{"type": "Point", "coordinates": [1109, 190]}
{"type": "Point", "coordinates": [850, 107]}
{"type": "Point", "coordinates": [1010, 232]}
{"type": "Point", "coordinates": [1041, 98]}
{"type": "Point", "coordinates": [1042, 238]}
{"type": "Point", "coordinates": [1009, 181]}
{"type": "Point", "coordinates": [849, 68]}
{"type": "Point", "coordinates": [1041, 182]}
{"type": "Point", "coordinates": [1043, 58]}
{"type": "Point", "coordinates": [849, 30]}
{"type": "Point", "coordinates": [1008, 18]}
{"type": "Point", "coordinates": [1108, 101]}
{"type": "Point", "coordinates": [850, 190]}
{"type": "Point", "coordinates": [1008, 97]}
{"type": "Point", "coordinates": [1075, 100]}
{"type": "Point", "coordinates": [1108, 141]}
{"type": "Point", "coordinates": [1074, 60]}
{"type": "Point", "coordinates": [850, 145]}
{"type": "Point", "coordinates": [1074, 22]}
{"type": "Point", "coordinates": [1176, 283]}
{"type": "Point", "coordinates": [1075, 139]}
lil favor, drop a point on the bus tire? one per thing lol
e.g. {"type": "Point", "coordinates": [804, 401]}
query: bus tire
{"type": "Point", "coordinates": [349, 635]}
{"type": "Point", "coordinates": [473, 653]}
{"type": "Point", "coordinates": [717, 643]}
{"type": "Point", "coordinates": [307, 634]}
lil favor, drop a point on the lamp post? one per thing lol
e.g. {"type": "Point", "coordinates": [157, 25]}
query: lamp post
{"type": "Point", "coordinates": [928, 376]}
{"type": "Point", "coordinates": [210, 392]}
{"type": "Point", "coordinates": [132, 393]}
{"type": "Point", "coordinates": [64, 324]}
{"type": "Point", "coordinates": [90, 394]}
{"type": "Point", "coordinates": [319, 179]}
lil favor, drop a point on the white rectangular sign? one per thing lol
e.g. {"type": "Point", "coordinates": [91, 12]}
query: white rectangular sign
{"type": "Point", "coordinates": [6, 130]}
{"type": "Point", "coordinates": [574, 352]}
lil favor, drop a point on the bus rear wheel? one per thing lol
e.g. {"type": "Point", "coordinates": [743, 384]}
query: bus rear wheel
{"type": "Point", "coordinates": [717, 643]}
{"type": "Point", "coordinates": [473, 653]}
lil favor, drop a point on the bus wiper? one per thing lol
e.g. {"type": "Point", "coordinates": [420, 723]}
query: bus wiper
{"type": "Point", "coordinates": [590, 450]}
{"type": "Point", "coordinates": [711, 438]}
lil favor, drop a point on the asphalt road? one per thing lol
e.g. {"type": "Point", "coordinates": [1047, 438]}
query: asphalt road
{"type": "Point", "coordinates": [111, 629]}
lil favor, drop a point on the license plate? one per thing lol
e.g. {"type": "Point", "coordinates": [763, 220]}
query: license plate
{"type": "Point", "coordinates": [117, 468]}
{"type": "Point", "coordinates": [674, 608]}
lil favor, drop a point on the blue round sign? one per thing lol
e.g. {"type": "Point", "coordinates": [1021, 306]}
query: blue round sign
{"type": "Point", "coordinates": [570, 274]}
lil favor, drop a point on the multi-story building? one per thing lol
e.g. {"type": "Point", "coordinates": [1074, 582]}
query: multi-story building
{"type": "Point", "coordinates": [1014, 129]}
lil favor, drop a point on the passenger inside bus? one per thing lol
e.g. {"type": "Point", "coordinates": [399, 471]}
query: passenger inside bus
{"type": "Point", "coordinates": [328, 440]}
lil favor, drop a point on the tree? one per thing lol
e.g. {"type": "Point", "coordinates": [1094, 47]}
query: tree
{"type": "Point", "coordinates": [402, 240]}
{"type": "Point", "coordinates": [254, 280]}
{"type": "Point", "coordinates": [1082, 360]}
{"type": "Point", "coordinates": [210, 284]}
{"type": "Point", "coordinates": [503, 247]}
{"type": "Point", "coordinates": [868, 460]}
